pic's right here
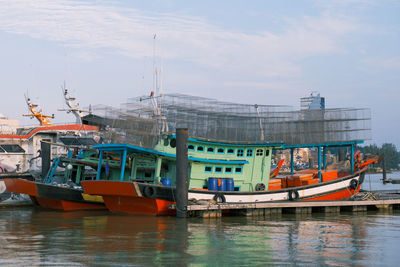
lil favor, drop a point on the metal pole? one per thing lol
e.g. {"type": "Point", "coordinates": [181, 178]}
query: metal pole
{"type": "Point", "coordinates": [45, 152]}
{"type": "Point", "coordinates": [352, 159]}
{"type": "Point", "coordinates": [291, 161]}
{"type": "Point", "coordinates": [181, 172]}
{"type": "Point", "coordinates": [319, 164]}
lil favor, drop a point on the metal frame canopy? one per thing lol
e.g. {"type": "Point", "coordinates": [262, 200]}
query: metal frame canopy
{"type": "Point", "coordinates": [142, 120]}
{"type": "Point", "coordinates": [320, 147]}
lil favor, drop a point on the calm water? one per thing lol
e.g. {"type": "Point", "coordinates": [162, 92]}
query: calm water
{"type": "Point", "coordinates": [38, 237]}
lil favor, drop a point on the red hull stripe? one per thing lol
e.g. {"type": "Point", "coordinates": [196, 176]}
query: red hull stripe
{"type": "Point", "coordinates": [339, 195]}
{"type": "Point", "coordinates": [68, 205]}
{"type": "Point", "coordinates": [21, 186]}
{"type": "Point", "coordinates": [138, 205]}
{"type": "Point", "coordinates": [121, 197]}
{"type": "Point", "coordinates": [71, 127]}
{"type": "Point", "coordinates": [105, 188]}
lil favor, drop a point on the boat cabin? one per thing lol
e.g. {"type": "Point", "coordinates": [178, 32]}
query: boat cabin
{"type": "Point", "coordinates": [247, 165]}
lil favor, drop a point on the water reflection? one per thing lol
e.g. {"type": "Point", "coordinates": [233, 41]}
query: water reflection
{"type": "Point", "coordinates": [40, 237]}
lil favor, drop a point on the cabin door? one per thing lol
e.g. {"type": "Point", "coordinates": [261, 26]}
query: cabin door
{"type": "Point", "coordinates": [258, 166]}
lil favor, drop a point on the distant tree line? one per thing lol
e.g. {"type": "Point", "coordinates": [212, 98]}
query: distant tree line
{"type": "Point", "coordinates": [392, 156]}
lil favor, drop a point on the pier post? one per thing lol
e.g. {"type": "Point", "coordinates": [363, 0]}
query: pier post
{"type": "Point", "coordinates": [45, 149]}
{"type": "Point", "coordinates": [383, 167]}
{"type": "Point", "coordinates": [181, 172]}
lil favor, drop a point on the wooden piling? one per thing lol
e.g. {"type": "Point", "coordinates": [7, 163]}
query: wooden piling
{"type": "Point", "coordinates": [181, 172]}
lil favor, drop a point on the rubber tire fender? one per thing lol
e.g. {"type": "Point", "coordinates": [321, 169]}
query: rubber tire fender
{"type": "Point", "coordinates": [353, 184]}
{"type": "Point", "coordinates": [293, 195]}
{"type": "Point", "coordinates": [260, 187]}
{"type": "Point", "coordinates": [148, 191]}
{"type": "Point", "coordinates": [219, 198]}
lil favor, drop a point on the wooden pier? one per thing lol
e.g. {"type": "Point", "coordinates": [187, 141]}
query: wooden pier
{"type": "Point", "coordinates": [209, 209]}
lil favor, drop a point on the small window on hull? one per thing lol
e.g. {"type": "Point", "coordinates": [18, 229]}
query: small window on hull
{"type": "Point", "coordinates": [12, 148]}
{"type": "Point", "coordinates": [191, 147]}
{"type": "Point", "coordinates": [200, 148]}
{"type": "Point", "coordinates": [228, 170]}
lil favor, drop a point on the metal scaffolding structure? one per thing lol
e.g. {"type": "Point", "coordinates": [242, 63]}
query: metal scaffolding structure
{"type": "Point", "coordinates": [143, 120]}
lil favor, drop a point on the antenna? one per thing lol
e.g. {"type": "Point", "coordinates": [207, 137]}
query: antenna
{"type": "Point", "coordinates": [155, 87]}
{"type": "Point", "coordinates": [72, 107]}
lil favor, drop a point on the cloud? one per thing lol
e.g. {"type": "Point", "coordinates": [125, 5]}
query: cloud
{"type": "Point", "coordinates": [89, 26]}
{"type": "Point", "coordinates": [383, 63]}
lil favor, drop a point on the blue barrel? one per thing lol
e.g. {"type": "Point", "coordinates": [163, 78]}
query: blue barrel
{"type": "Point", "coordinates": [222, 185]}
{"type": "Point", "coordinates": [229, 184]}
{"type": "Point", "coordinates": [213, 184]}
{"type": "Point", "coordinates": [166, 181]}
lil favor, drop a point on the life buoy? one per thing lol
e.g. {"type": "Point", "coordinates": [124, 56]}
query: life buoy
{"type": "Point", "coordinates": [148, 191]}
{"type": "Point", "coordinates": [219, 198]}
{"type": "Point", "coordinates": [293, 195]}
{"type": "Point", "coordinates": [353, 184]}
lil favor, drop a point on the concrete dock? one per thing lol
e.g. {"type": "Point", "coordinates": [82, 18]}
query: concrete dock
{"type": "Point", "coordinates": [372, 201]}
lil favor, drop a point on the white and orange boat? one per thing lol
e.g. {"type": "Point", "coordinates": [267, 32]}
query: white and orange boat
{"type": "Point", "coordinates": [20, 147]}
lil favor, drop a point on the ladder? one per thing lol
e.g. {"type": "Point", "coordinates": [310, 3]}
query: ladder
{"type": "Point", "coordinates": [52, 170]}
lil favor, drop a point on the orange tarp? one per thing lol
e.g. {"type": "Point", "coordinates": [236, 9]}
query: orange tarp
{"type": "Point", "coordinates": [274, 184]}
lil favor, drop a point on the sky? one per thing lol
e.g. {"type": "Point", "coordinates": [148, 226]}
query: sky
{"type": "Point", "coordinates": [253, 52]}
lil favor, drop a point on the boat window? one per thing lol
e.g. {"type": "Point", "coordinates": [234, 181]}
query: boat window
{"type": "Point", "coordinates": [191, 147]}
{"type": "Point", "coordinates": [228, 169]}
{"type": "Point", "coordinates": [230, 151]}
{"type": "Point", "coordinates": [210, 150]}
{"type": "Point", "coordinates": [13, 148]}
{"type": "Point", "coordinates": [200, 148]}
{"type": "Point", "coordinates": [238, 170]}
{"type": "Point", "coordinates": [2, 150]}
{"type": "Point", "coordinates": [267, 152]}
{"type": "Point", "coordinates": [207, 169]}
{"type": "Point", "coordinates": [259, 152]}
{"type": "Point", "coordinates": [221, 151]}
{"type": "Point", "coordinates": [218, 169]}
{"type": "Point", "coordinates": [172, 143]}
{"type": "Point", "coordinates": [76, 141]}
{"type": "Point", "coordinates": [240, 152]}
{"type": "Point", "coordinates": [249, 153]}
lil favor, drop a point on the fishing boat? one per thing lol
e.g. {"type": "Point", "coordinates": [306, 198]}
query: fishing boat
{"type": "Point", "coordinates": [21, 147]}
{"type": "Point", "coordinates": [230, 154]}
{"type": "Point", "coordinates": [219, 172]}
{"type": "Point", "coordinates": [62, 192]}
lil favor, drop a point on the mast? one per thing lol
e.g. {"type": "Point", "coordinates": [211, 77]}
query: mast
{"type": "Point", "coordinates": [43, 119]}
{"type": "Point", "coordinates": [72, 107]}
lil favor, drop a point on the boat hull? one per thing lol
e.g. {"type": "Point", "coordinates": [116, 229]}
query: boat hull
{"type": "Point", "coordinates": [54, 197]}
{"type": "Point", "coordinates": [126, 197]}
{"type": "Point", "coordinates": [140, 198]}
